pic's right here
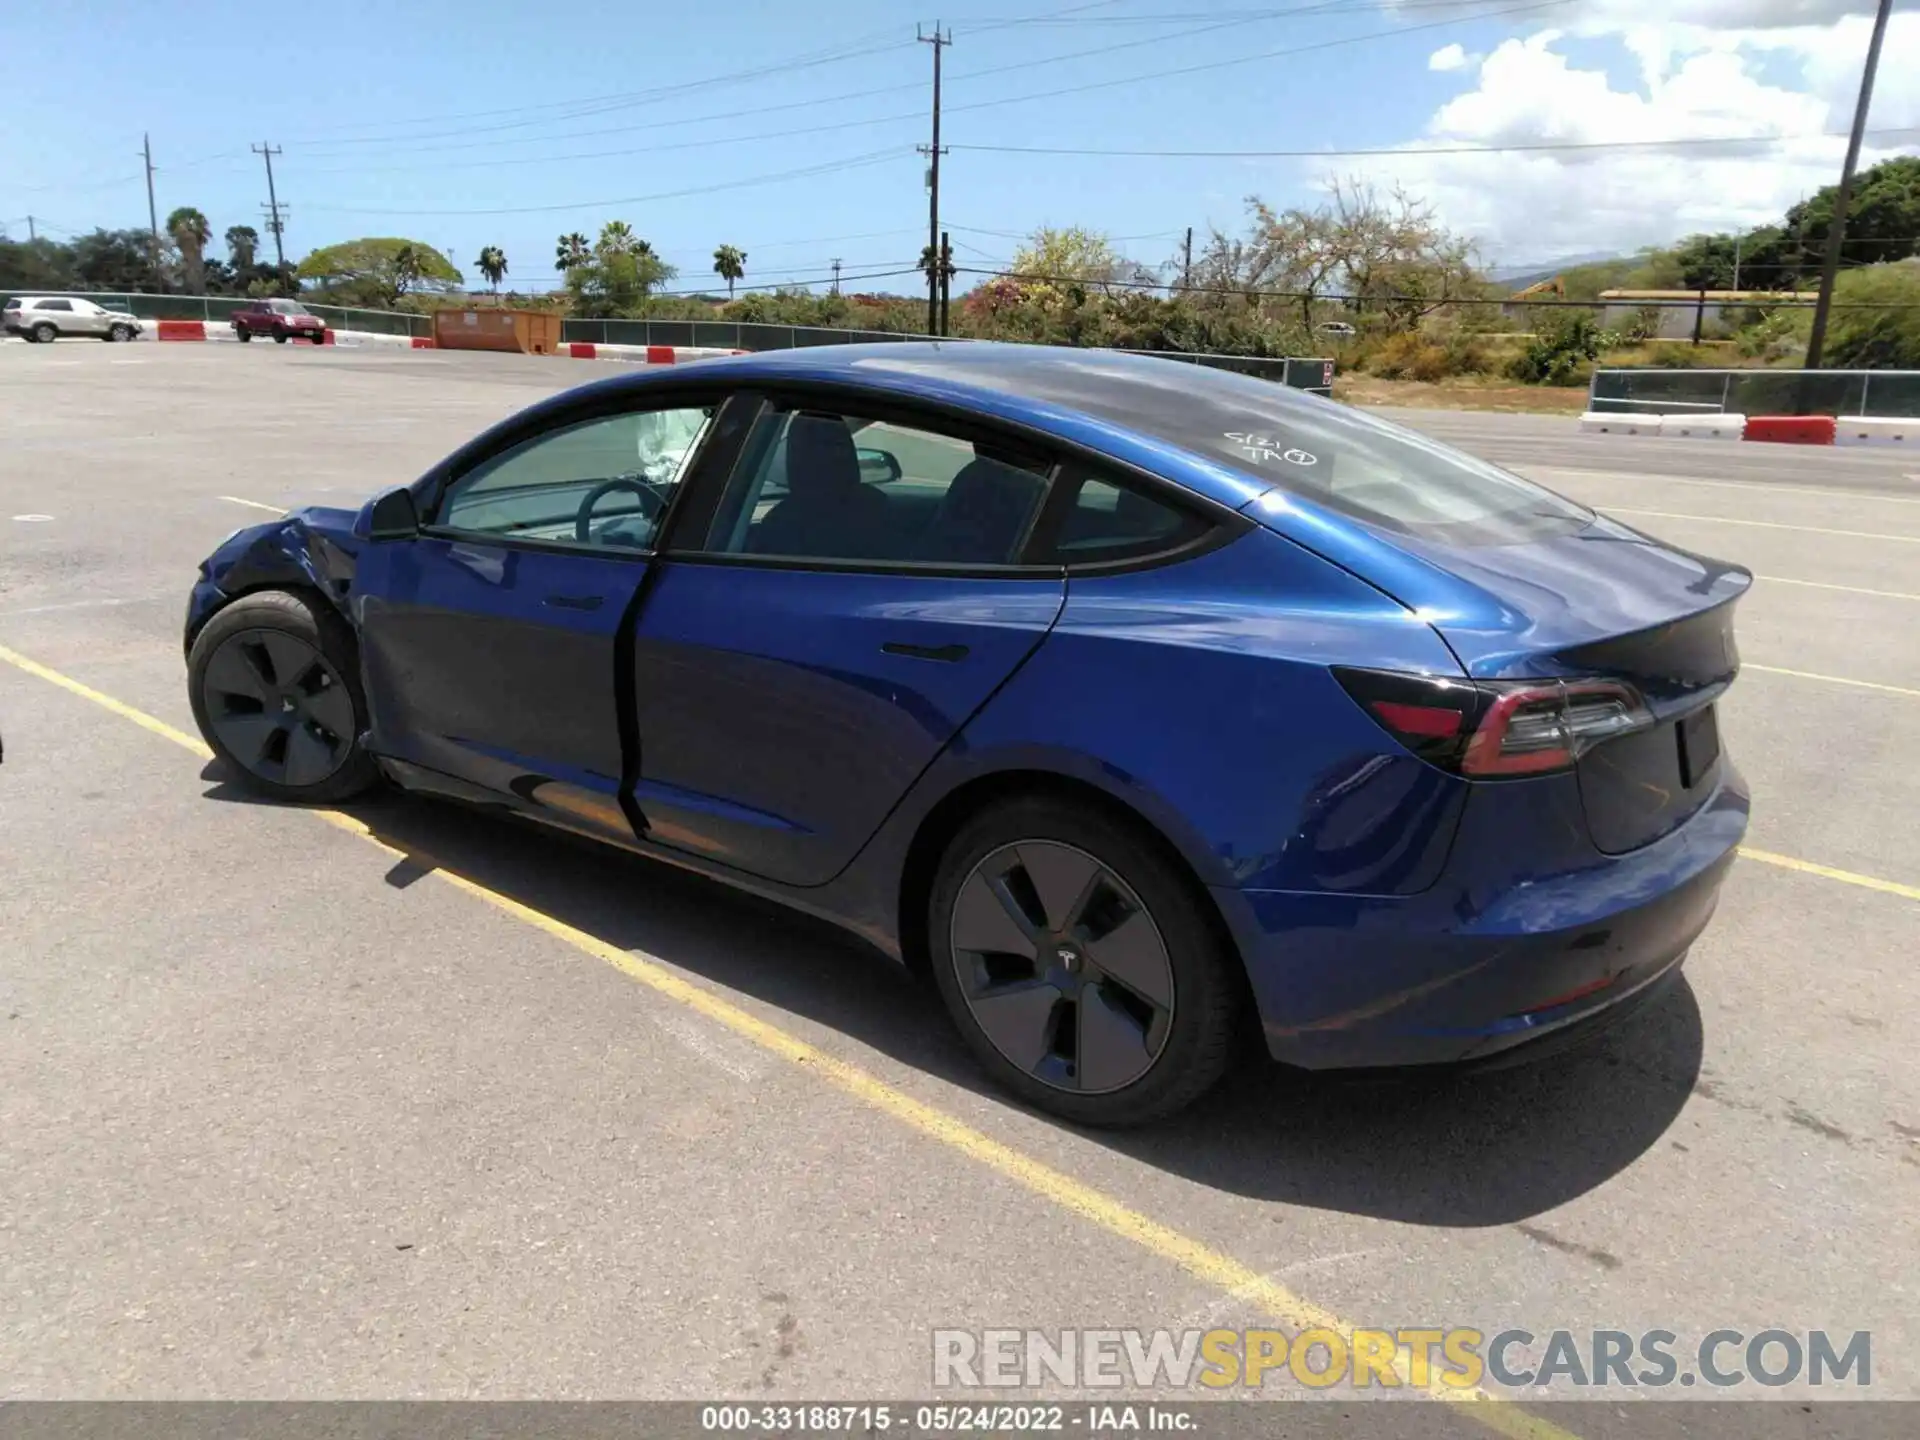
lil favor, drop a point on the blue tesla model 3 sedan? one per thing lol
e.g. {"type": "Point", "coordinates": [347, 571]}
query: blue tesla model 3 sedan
{"type": "Point", "coordinates": [1138, 704]}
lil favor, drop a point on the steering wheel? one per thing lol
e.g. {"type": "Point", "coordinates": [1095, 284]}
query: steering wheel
{"type": "Point", "coordinates": [652, 502]}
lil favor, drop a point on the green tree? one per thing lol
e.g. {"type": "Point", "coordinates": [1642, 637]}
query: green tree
{"type": "Point", "coordinates": [570, 250]}
{"type": "Point", "coordinates": [1885, 337]}
{"type": "Point", "coordinates": [616, 278]}
{"type": "Point", "coordinates": [190, 231]}
{"type": "Point", "coordinates": [243, 244]}
{"type": "Point", "coordinates": [377, 270]}
{"type": "Point", "coordinates": [729, 263]}
{"type": "Point", "coordinates": [40, 264]}
{"type": "Point", "coordinates": [1883, 217]}
{"type": "Point", "coordinates": [116, 260]}
{"type": "Point", "coordinates": [492, 264]}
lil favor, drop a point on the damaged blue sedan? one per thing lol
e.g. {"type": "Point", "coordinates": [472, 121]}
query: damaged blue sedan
{"type": "Point", "coordinates": [1142, 707]}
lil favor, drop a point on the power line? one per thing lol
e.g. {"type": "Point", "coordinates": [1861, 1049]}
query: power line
{"type": "Point", "coordinates": [600, 105]}
{"type": "Point", "coordinates": [1324, 6]}
{"type": "Point", "coordinates": [1545, 145]}
{"type": "Point", "coordinates": [852, 162]}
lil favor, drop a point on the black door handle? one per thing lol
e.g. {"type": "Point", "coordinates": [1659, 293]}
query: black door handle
{"type": "Point", "coordinates": [926, 652]}
{"type": "Point", "coordinates": [575, 602]}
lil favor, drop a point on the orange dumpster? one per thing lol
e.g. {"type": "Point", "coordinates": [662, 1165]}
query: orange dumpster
{"type": "Point", "coordinates": [529, 332]}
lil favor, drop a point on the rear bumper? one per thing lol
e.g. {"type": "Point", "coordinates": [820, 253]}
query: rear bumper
{"type": "Point", "coordinates": [1468, 971]}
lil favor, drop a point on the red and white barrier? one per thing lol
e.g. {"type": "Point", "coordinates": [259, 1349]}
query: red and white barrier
{"type": "Point", "coordinates": [1877, 430]}
{"type": "Point", "coordinates": [645, 354]}
{"type": "Point", "coordinates": [1618, 422]}
{"type": "Point", "coordinates": [1770, 429]}
{"type": "Point", "coordinates": [1704, 427]}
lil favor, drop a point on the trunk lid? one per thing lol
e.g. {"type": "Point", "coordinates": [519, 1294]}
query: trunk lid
{"type": "Point", "coordinates": [1593, 600]}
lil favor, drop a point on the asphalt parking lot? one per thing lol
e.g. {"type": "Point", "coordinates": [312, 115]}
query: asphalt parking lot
{"type": "Point", "coordinates": [475, 1113]}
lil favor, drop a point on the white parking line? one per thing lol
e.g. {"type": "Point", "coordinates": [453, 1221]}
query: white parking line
{"type": "Point", "coordinates": [1850, 589]}
{"type": "Point", "coordinates": [1764, 524]}
{"type": "Point", "coordinates": [254, 504]}
{"type": "Point", "coordinates": [1825, 494]}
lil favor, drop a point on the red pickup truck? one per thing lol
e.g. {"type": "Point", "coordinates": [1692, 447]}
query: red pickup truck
{"type": "Point", "coordinates": [281, 319]}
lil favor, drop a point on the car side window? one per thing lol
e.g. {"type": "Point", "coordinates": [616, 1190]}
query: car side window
{"type": "Point", "coordinates": [62, 305]}
{"type": "Point", "coordinates": [603, 482]}
{"type": "Point", "coordinates": [1105, 520]}
{"type": "Point", "coordinates": [822, 485]}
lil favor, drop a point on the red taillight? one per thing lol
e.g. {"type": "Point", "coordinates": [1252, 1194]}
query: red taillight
{"type": "Point", "coordinates": [1493, 730]}
{"type": "Point", "coordinates": [1433, 722]}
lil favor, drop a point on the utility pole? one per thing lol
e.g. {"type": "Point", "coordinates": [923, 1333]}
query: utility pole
{"type": "Point", "coordinates": [31, 237]}
{"type": "Point", "coordinates": [1186, 265]}
{"type": "Point", "coordinates": [1736, 263]}
{"type": "Point", "coordinates": [946, 279]}
{"type": "Point", "coordinates": [153, 214]}
{"type": "Point", "coordinates": [939, 41]}
{"type": "Point", "coordinates": [1837, 228]}
{"type": "Point", "coordinates": [276, 218]}
{"type": "Point", "coordinates": [835, 262]}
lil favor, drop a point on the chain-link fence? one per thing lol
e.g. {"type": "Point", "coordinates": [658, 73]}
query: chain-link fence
{"type": "Point", "coordinates": [218, 310]}
{"type": "Point", "coordinates": [1756, 392]}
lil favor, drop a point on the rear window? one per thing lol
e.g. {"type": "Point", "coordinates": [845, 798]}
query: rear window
{"type": "Point", "coordinates": [1334, 456]}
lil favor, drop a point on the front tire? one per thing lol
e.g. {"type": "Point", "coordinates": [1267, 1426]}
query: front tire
{"type": "Point", "coordinates": [119, 334]}
{"type": "Point", "coordinates": [44, 333]}
{"type": "Point", "coordinates": [274, 680]}
{"type": "Point", "coordinates": [1079, 964]}
{"type": "Point", "coordinates": [279, 337]}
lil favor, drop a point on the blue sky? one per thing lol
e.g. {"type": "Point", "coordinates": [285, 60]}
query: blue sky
{"type": "Point", "coordinates": [390, 112]}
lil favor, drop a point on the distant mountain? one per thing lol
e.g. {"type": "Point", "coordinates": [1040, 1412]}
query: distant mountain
{"type": "Point", "coordinates": [1520, 275]}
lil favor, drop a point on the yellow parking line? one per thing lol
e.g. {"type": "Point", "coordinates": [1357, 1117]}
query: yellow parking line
{"type": "Point", "coordinates": [1765, 524]}
{"type": "Point", "coordinates": [1850, 589]}
{"type": "Point", "coordinates": [1827, 872]}
{"type": "Point", "coordinates": [1197, 1259]}
{"type": "Point", "coordinates": [276, 509]}
{"type": "Point", "coordinates": [1830, 679]}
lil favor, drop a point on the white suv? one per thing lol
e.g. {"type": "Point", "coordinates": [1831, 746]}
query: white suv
{"type": "Point", "coordinates": [45, 318]}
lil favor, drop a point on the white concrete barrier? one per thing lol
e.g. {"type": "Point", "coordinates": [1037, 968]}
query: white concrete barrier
{"type": "Point", "coordinates": [1704, 426]}
{"type": "Point", "coordinates": [1618, 422]}
{"type": "Point", "coordinates": [1877, 430]}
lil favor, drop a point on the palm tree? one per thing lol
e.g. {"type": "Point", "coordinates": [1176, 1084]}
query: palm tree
{"type": "Point", "coordinates": [571, 250]}
{"type": "Point", "coordinates": [492, 264]}
{"type": "Point", "coordinates": [243, 243]}
{"type": "Point", "coordinates": [729, 263]}
{"type": "Point", "coordinates": [925, 265]}
{"type": "Point", "coordinates": [190, 232]}
{"type": "Point", "coordinates": [617, 238]}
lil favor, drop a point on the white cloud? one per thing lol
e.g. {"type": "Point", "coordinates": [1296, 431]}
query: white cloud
{"type": "Point", "coordinates": [1791, 70]}
{"type": "Point", "coordinates": [1450, 57]}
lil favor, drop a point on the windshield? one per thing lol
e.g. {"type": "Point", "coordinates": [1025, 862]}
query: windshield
{"type": "Point", "coordinates": [286, 307]}
{"type": "Point", "coordinates": [1332, 455]}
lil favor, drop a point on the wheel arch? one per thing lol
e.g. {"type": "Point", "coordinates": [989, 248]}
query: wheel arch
{"type": "Point", "coordinates": [945, 818]}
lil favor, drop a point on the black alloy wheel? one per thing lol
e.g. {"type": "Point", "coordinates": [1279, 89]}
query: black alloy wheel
{"type": "Point", "coordinates": [275, 692]}
{"type": "Point", "coordinates": [1078, 961]}
{"type": "Point", "coordinates": [1062, 967]}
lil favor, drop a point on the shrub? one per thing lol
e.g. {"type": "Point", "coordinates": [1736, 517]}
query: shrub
{"type": "Point", "coordinates": [1561, 352]}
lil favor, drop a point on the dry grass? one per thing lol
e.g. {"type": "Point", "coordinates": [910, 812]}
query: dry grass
{"type": "Point", "coordinates": [1461, 393]}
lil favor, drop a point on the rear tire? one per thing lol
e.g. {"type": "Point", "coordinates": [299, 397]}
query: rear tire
{"type": "Point", "coordinates": [44, 333]}
{"type": "Point", "coordinates": [1060, 903]}
{"type": "Point", "coordinates": [320, 338]}
{"type": "Point", "coordinates": [274, 680]}
{"type": "Point", "coordinates": [242, 334]}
